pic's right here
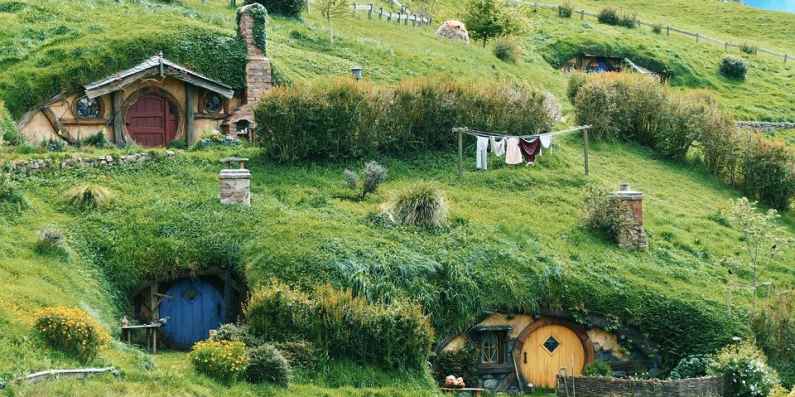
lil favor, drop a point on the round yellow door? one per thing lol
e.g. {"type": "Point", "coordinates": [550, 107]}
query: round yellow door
{"type": "Point", "coordinates": [548, 350]}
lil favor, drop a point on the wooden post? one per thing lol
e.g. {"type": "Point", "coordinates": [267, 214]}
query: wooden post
{"type": "Point", "coordinates": [460, 153]}
{"type": "Point", "coordinates": [190, 139]}
{"type": "Point", "coordinates": [370, 12]}
{"type": "Point", "coordinates": [381, 13]}
{"type": "Point", "coordinates": [154, 340]}
{"type": "Point", "coordinates": [786, 58]}
{"type": "Point", "coordinates": [582, 15]}
{"type": "Point", "coordinates": [698, 35]}
{"type": "Point", "coordinates": [585, 151]}
{"type": "Point", "coordinates": [118, 121]}
{"type": "Point", "coordinates": [669, 30]}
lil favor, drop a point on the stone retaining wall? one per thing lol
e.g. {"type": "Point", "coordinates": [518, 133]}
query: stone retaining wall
{"type": "Point", "coordinates": [612, 387]}
{"type": "Point", "coordinates": [766, 125]}
{"type": "Point", "coordinates": [28, 167]}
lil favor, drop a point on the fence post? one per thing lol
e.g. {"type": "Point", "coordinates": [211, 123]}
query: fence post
{"type": "Point", "coordinates": [370, 12]}
{"type": "Point", "coordinates": [669, 30]}
{"type": "Point", "coordinates": [381, 13]}
{"type": "Point", "coordinates": [726, 46]}
{"type": "Point", "coordinates": [698, 35]}
{"type": "Point", "coordinates": [460, 153]}
{"type": "Point", "coordinates": [582, 15]}
{"type": "Point", "coordinates": [535, 7]}
{"type": "Point", "coordinates": [786, 56]}
{"type": "Point", "coordinates": [585, 151]}
{"type": "Point", "coordinates": [414, 20]}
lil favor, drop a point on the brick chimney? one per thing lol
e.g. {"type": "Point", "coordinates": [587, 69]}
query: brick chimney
{"type": "Point", "coordinates": [259, 78]}
{"type": "Point", "coordinates": [632, 234]}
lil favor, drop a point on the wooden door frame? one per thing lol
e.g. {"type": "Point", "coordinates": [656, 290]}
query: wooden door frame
{"type": "Point", "coordinates": [153, 90]}
{"type": "Point", "coordinates": [581, 333]}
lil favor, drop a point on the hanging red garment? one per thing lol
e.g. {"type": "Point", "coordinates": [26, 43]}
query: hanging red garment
{"type": "Point", "coordinates": [530, 149]}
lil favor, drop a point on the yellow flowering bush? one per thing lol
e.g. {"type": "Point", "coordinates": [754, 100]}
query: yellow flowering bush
{"type": "Point", "coordinates": [220, 359]}
{"type": "Point", "coordinates": [71, 330]}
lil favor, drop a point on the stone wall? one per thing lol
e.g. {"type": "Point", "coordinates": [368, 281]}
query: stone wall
{"type": "Point", "coordinates": [612, 387]}
{"type": "Point", "coordinates": [766, 125]}
{"type": "Point", "coordinates": [28, 167]}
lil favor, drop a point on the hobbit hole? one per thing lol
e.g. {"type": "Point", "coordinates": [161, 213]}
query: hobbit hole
{"type": "Point", "coordinates": [159, 101]}
{"type": "Point", "coordinates": [515, 353]}
{"type": "Point", "coordinates": [189, 306]}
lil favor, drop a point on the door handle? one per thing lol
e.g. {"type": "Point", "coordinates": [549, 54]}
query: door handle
{"type": "Point", "coordinates": [525, 357]}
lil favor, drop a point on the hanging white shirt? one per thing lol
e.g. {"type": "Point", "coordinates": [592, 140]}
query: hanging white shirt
{"type": "Point", "coordinates": [482, 155]}
{"type": "Point", "coordinates": [546, 140]}
{"type": "Point", "coordinates": [498, 146]}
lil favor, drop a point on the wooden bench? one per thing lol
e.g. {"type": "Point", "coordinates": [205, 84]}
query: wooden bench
{"type": "Point", "coordinates": [151, 334]}
{"type": "Point", "coordinates": [472, 391]}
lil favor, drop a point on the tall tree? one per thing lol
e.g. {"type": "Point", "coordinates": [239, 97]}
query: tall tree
{"type": "Point", "coordinates": [333, 10]}
{"type": "Point", "coordinates": [490, 19]}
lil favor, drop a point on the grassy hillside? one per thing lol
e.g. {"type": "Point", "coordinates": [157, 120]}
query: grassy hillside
{"type": "Point", "coordinates": [515, 243]}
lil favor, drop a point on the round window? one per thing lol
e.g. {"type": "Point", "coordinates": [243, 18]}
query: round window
{"type": "Point", "coordinates": [88, 108]}
{"type": "Point", "coordinates": [213, 103]}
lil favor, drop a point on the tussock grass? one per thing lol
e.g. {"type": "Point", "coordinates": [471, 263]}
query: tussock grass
{"type": "Point", "coordinates": [89, 196]}
{"type": "Point", "coordinates": [423, 205]}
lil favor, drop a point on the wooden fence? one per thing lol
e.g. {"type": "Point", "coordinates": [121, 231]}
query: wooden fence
{"type": "Point", "coordinates": [668, 29]}
{"type": "Point", "coordinates": [404, 15]}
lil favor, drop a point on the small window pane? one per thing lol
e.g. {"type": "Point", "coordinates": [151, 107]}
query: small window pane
{"type": "Point", "coordinates": [489, 349]}
{"type": "Point", "coordinates": [88, 108]}
{"type": "Point", "coordinates": [551, 344]}
{"type": "Point", "coordinates": [213, 103]}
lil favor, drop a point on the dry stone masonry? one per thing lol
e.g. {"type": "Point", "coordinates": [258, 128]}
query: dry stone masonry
{"type": "Point", "coordinates": [612, 387]}
{"type": "Point", "coordinates": [235, 183]}
{"type": "Point", "coordinates": [632, 234]}
{"type": "Point", "coordinates": [33, 166]}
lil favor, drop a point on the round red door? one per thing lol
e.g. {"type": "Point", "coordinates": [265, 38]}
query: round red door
{"type": "Point", "coordinates": [152, 121]}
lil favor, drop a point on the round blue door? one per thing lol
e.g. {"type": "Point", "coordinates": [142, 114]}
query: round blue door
{"type": "Point", "coordinates": [193, 308]}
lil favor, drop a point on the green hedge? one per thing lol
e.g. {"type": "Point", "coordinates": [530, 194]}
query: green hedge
{"type": "Point", "coordinates": [345, 119]}
{"type": "Point", "coordinates": [639, 109]}
{"type": "Point", "coordinates": [395, 336]}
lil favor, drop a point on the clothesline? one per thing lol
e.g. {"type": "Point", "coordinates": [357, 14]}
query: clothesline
{"type": "Point", "coordinates": [460, 131]}
{"type": "Point", "coordinates": [473, 132]}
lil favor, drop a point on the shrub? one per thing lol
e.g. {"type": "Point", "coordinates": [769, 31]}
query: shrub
{"type": "Point", "coordinates": [288, 8]}
{"type": "Point", "coordinates": [774, 329]}
{"type": "Point", "coordinates": [576, 81]}
{"type": "Point", "coordinates": [72, 331]}
{"type": "Point", "coordinates": [88, 196]}
{"type": "Point", "coordinates": [768, 172]}
{"type": "Point", "coordinates": [346, 119]}
{"type": "Point", "coordinates": [11, 194]}
{"type": "Point", "coordinates": [609, 16]}
{"type": "Point", "coordinates": [694, 366]}
{"type": "Point", "coordinates": [657, 28]}
{"type": "Point", "coordinates": [225, 361]}
{"type": "Point", "coordinates": [628, 21]}
{"type": "Point", "coordinates": [733, 68]}
{"type": "Point", "coordinates": [422, 206]}
{"type": "Point", "coordinates": [51, 241]}
{"type": "Point", "coordinates": [565, 10]}
{"type": "Point", "coordinates": [267, 365]}
{"type": "Point", "coordinates": [507, 50]}
{"type": "Point", "coordinates": [598, 368]}
{"type": "Point", "coordinates": [603, 214]}
{"type": "Point", "coordinates": [302, 354]}
{"type": "Point", "coordinates": [373, 175]}
{"type": "Point", "coordinates": [749, 49]}
{"type": "Point", "coordinates": [178, 144]}
{"type": "Point", "coordinates": [395, 336]}
{"type": "Point", "coordinates": [462, 363]}
{"type": "Point", "coordinates": [53, 145]}
{"type": "Point", "coordinates": [746, 370]}
{"type": "Point", "coordinates": [8, 129]}
{"type": "Point", "coordinates": [235, 333]}
{"type": "Point", "coordinates": [97, 140]}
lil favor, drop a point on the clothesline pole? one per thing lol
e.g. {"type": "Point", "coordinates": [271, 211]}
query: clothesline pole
{"type": "Point", "coordinates": [460, 153]}
{"type": "Point", "coordinates": [585, 149]}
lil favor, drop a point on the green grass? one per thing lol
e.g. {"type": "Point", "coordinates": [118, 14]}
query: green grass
{"type": "Point", "coordinates": [511, 230]}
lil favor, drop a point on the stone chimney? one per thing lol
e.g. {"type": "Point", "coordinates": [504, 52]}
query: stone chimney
{"type": "Point", "coordinates": [632, 234]}
{"type": "Point", "coordinates": [252, 21]}
{"type": "Point", "coordinates": [235, 183]}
